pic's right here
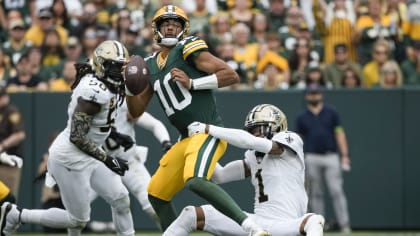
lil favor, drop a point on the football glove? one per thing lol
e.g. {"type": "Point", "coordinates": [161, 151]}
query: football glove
{"type": "Point", "coordinates": [11, 160]}
{"type": "Point", "coordinates": [166, 145]}
{"type": "Point", "coordinates": [116, 164]}
{"type": "Point", "coordinates": [120, 139]}
{"type": "Point", "coordinates": [196, 128]}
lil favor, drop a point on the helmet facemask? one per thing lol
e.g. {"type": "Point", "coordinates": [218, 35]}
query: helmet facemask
{"type": "Point", "coordinates": [113, 71]}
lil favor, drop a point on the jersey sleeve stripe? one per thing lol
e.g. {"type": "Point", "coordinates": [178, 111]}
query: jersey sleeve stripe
{"type": "Point", "coordinates": [193, 47]}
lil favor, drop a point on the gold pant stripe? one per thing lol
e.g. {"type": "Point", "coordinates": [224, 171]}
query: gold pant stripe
{"type": "Point", "coordinates": [205, 156]}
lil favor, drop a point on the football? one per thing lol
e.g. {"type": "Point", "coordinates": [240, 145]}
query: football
{"type": "Point", "coordinates": [136, 75]}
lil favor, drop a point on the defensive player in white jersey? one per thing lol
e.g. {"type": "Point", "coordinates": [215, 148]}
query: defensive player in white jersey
{"type": "Point", "coordinates": [77, 162]}
{"type": "Point", "coordinates": [274, 160]}
{"type": "Point", "coordinates": [121, 142]}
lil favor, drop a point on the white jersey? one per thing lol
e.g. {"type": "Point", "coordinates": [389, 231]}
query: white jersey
{"type": "Point", "coordinates": [121, 122]}
{"type": "Point", "coordinates": [279, 180]}
{"type": "Point", "coordinates": [90, 89]}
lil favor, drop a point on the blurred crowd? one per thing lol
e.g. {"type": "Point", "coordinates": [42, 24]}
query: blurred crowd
{"type": "Point", "coordinates": [272, 44]}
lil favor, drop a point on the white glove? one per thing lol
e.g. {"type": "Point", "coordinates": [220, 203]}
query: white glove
{"type": "Point", "coordinates": [196, 128]}
{"type": "Point", "coordinates": [11, 160]}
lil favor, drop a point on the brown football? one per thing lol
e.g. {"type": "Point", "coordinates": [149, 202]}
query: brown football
{"type": "Point", "coordinates": [136, 75]}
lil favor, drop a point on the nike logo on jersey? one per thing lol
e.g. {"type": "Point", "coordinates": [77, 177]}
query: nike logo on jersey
{"type": "Point", "coordinates": [96, 91]}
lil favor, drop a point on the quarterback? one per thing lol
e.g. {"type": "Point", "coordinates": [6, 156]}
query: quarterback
{"type": "Point", "coordinates": [77, 162]}
{"type": "Point", "coordinates": [183, 74]}
{"type": "Point", "coordinates": [274, 161]}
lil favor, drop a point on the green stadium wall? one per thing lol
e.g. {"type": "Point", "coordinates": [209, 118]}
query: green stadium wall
{"type": "Point", "coordinates": [382, 126]}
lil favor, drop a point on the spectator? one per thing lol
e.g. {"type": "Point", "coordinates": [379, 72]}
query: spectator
{"type": "Point", "coordinates": [131, 42]}
{"type": "Point", "coordinates": [138, 10]}
{"type": "Point", "coordinates": [199, 18]}
{"type": "Point", "coordinates": [289, 32]}
{"type": "Point", "coordinates": [411, 27]}
{"type": "Point", "coordinates": [246, 52]}
{"type": "Point", "coordinates": [63, 84]}
{"type": "Point", "coordinates": [12, 132]}
{"type": "Point", "coordinates": [12, 135]}
{"type": "Point", "coordinates": [272, 70]}
{"type": "Point", "coordinates": [300, 59]}
{"type": "Point", "coordinates": [390, 75]}
{"type": "Point", "coordinates": [4, 68]}
{"type": "Point", "coordinates": [16, 44]}
{"type": "Point", "coordinates": [90, 41]}
{"type": "Point", "coordinates": [25, 81]}
{"type": "Point", "coordinates": [371, 70]}
{"type": "Point", "coordinates": [60, 14]}
{"type": "Point", "coordinates": [36, 33]}
{"type": "Point", "coordinates": [119, 28]}
{"type": "Point", "coordinates": [87, 19]}
{"type": "Point", "coordinates": [219, 31]}
{"type": "Point", "coordinates": [350, 78]}
{"type": "Point", "coordinates": [53, 52]}
{"type": "Point", "coordinates": [227, 52]}
{"type": "Point", "coordinates": [370, 28]}
{"type": "Point", "coordinates": [411, 67]}
{"type": "Point", "coordinates": [324, 138]}
{"type": "Point", "coordinates": [37, 68]}
{"type": "Point", "coordinates": [242, 12]}
{"type": "Point", "coordinates": [334, 71]}
{"type": "Point", "coordinates": [259, 26]}
{"type": "Point", "coordinates": [314, 75]}
{"type": "Point", "coordinates": [334, 22]}
{"type": "Point", "coordinates": [276, 15]}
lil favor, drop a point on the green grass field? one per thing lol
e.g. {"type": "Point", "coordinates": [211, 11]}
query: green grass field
{"type": "Point", "coordinates": [361, 233]}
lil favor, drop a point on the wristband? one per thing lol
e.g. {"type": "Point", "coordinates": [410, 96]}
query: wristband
{"type": "Point", "coordinates": [205, 82]}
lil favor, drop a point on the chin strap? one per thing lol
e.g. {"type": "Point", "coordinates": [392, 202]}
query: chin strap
{"type": "Point", "coordinates": [169, 41]}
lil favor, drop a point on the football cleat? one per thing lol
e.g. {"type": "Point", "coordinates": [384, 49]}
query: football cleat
{"type": "Point", "coordinates": [9, 218]}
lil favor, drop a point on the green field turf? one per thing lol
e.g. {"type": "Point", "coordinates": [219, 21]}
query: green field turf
{"type": "Point", "coordinates": [364, 233]}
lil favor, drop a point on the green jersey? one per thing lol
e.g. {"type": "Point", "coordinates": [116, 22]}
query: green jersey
{"type": "Point", "coordinates": [183, 106]}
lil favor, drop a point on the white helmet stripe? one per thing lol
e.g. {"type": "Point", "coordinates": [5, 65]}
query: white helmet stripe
{"type": "Point", "coordinates": [120, 50]}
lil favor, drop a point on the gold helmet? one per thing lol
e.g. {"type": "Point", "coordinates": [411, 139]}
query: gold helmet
{"type": "Point", "coordinates": [108, 59]}
{"type": "Point", "coordinates": [170, 12]}
{"type": "Point", "coordinates": [268, 118]}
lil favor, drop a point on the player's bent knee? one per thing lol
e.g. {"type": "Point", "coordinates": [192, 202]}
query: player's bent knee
{"type": "Point", "coordinates": [194, 184]}
{"type": "Point", "coordinates": [121, 205]}
{"type": "Point", "coordinates": [77, 224]}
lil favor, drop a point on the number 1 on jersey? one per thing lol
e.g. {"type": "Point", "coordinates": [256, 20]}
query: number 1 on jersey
{"type": "Point", "coordinates": [262, 196]}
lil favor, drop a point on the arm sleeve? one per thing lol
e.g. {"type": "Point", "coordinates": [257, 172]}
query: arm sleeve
{"type": "Point", "coordinates": [232, 171]}
{"type": "Point", "coordinates": [150, 123]}
{"type": "Point", "coordinates": [241, 139]}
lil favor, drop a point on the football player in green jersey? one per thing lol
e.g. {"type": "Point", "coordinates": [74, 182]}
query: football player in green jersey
{"type": "Point", "coordinates": [183, 74]}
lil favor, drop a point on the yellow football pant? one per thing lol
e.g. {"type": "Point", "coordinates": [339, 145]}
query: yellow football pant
{"type": "Point", "coordinates": [194, 156]}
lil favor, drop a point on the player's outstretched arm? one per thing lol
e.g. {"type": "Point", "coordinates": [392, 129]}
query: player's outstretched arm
{"type": "Point", "coordinates": [137, 104]}
{"type": "Point", "coordinates": [236, 137]}
{"type": "Point", "coordinates": [232, 171]}
{"type": "Point", "coordinates": [150, 123]}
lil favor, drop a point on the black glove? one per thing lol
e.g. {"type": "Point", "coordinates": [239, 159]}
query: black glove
{"type": "Point", "coordinates": [166, 145]}
{"type": "Point", "coordinates": [119, 139]}
{"type": "Point", "coordinates": [116, 164]}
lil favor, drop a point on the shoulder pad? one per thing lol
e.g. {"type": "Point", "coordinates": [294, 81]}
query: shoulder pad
{"type": "Point", "coordinates": [92, 89]}
{"type": "Point", "coordinates": [192, 44]}
{"type": "Point", "coordinates": [291, 140]}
